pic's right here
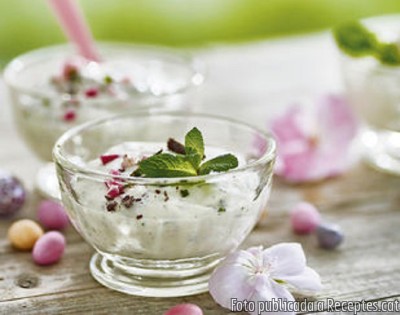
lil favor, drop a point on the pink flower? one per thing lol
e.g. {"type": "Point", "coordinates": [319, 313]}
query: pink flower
{"type": "Point", "coordinates": [259, 275]}
{"type": "Point", "coordinates": [312, 147]}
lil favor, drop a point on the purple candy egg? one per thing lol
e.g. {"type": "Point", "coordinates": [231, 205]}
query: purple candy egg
{"type": "Point", "coordinates": [12, 195]}
{"type": "Point", "coordinates": [51, 215]}
{"type": "Point", "coordinates": [49, 248]}
{"type": "Point", "coordinates": [329, 236]}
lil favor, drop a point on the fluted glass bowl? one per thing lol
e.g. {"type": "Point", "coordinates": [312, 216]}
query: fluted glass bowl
{"type": "Point", "coordinates": [167, 242]}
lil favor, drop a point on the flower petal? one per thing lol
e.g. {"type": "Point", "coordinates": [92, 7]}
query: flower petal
{"type": "Point", "coordinates": [288, 259]}
{"type": "Point", "coordinates": [308, 280]}
{"type": "Point", "coordinates": [232, 279]}
{"type": "Point", "coordinates": [297, 167]}
{"type": "Point", "coordinates": [289, 126]}
{"type": "Point", "coordinates": [272, 291]}
{"type": "Point", "coordinates": [314, 147]}
{"type": "Point", "coordinates": [337, 122]}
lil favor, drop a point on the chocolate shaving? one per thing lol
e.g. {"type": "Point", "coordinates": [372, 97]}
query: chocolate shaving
{"type": "Point", "coordinates": [166, 196]}
{"type": "Point", "coordinates": [176, 146]}
{"type": "Point", "coordinates": [111, 206]}
{"type": "Point", "coordinates": [128, 201]}
{"type": "Point", "coordinates": [139, 216]}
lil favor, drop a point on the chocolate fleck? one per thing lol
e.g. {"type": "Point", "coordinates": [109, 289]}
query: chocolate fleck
{"type": "Point", "coordinates": [127, 201]}
{"type": "Point", "coordinates": [139, 216]}
{"type": "Point", "coordinates": [166, 196]}
{"type": "Point", "coordinates": [176, 146]}
{"type": "Point", "coordinates": [157, 191]}
{"type": "Point", "coordinates": [111, 206]}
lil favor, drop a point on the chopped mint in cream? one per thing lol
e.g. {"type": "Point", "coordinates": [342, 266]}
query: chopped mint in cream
{"type": "Point", "coordinates": [187, 162]}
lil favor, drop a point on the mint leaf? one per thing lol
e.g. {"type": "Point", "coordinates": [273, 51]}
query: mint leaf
{"type": "Point", "coordinates": [355, 39]}
{"type": "Point", "coordinates": [166, 165]}
{"type": "Point", "coordinates": [221, 163]}
{"type": "Point", "coordinates": [194, 147]}
{"type": "Point", "coordinates": [389, 54]}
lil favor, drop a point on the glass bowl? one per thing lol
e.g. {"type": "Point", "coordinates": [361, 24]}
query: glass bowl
{"type": "Point", "coordinates": [372, 89]}
{"type": "Point", "coordinates": [142, 77]}
{"type": "Point", "coordinates": [169, 241]}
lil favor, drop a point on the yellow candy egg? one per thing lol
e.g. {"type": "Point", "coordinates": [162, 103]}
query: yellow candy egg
{"type": "Point", "coordinates": [23, 234]}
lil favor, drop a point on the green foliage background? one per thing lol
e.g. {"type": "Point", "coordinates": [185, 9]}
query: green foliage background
{"type": "Point", "coordinates": [27, 24]}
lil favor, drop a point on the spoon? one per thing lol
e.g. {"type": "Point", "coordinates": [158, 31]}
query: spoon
{"type": "Point", "coordinates": [74, 26]}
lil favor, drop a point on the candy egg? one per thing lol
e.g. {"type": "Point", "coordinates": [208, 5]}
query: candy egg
{"type": "Point", "coordinates": [329, 236]}
{"type": "Point", "coordinates": [23, 234]}
{"type": "Point", "coordinates": [184, 309]}
{"type": "Point", "coordinates": [304, 218]}
{"type": "Point", "coordinates": [49, 248]}
{"type": "Point", "coordinates": [12, 194]}
{"type": "Point", "coordinates": [51, 215]}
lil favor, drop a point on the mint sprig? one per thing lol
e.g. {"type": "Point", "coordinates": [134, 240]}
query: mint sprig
{"type": "Point", "coordinates": [357, 41]}
{"type": "Point", "coordinates": [166, 165]}
{"type": "Point", "coordinates": [194, 147]}
{"type": "Point", "coordinates": [220, 163]}
{"type": "Point", "coordinates": [185, 163]}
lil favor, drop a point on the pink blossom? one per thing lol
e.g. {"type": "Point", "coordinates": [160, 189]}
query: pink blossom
{"type": "Point", "coordinates": [314, 145]}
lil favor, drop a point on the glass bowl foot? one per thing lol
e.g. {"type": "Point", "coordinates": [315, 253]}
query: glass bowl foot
{"type": "Point", "coordinates": [382, 150]}
{"type": "Point", "coordinates": [158, 279]}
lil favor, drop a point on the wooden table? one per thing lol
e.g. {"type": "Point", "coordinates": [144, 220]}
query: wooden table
{"type": "Point", "coordinates": [250, 82]}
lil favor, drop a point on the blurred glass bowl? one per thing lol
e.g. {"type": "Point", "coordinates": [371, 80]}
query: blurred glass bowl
{"type": "Point", "coordinates": [135, 77]}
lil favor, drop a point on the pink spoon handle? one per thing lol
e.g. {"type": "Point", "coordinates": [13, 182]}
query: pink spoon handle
{"type": "Point", "coordinates": [75, 28]}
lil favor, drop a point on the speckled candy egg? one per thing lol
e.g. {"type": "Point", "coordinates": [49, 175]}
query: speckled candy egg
{"type": "Point", "coordinates": [49, 248]}
{"type": "Point", "coordinates": [51, 215]}
{"type": "Point", "coordinates": [12, 194]}
{"type": "Point", "coordinates": [184, 309]}
{"type": "Point", "coordinates": [23, 234]}
{"type": "Point", "coordinates": [304, 218]}
{"type": "Point", "coordinates": [329, 236]}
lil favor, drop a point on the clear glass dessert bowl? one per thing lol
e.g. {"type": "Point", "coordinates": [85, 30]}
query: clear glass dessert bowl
{"type": "Point", "coordinates": [372, 88]}
{"type": "Point", "coordinates": [51, 90]}
{"type": "Point", "coordinates": [161, 237]}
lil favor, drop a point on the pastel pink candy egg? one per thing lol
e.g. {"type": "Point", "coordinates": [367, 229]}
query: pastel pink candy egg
{"type": "Point", "coordinates": [49, 248]}
{"type": "Point", "coordinates": [184, 309]}
{"type": "Point", "coordinates": [52, 215]}
{"type": "Point", "coordinates": [304, 218]}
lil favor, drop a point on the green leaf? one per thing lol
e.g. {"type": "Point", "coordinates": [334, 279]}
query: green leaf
{"type": "Point", "coordinates": [355, 39]}
{"type": "Point", "coordinates": [166, 165]}
{"type": "Point", "coordinates": [194, 147]}
{"type": "Point", "coordinates": [389, 54]}
{"type": "Point", "coordinates": [221, 163]}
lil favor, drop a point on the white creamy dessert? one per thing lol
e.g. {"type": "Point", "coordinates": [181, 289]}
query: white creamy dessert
{"type": "Point", "coordinates": [183, 220]}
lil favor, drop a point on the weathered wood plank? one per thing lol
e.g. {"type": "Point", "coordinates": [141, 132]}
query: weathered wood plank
{"type": "Point", "coordinates": [366, 267]}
